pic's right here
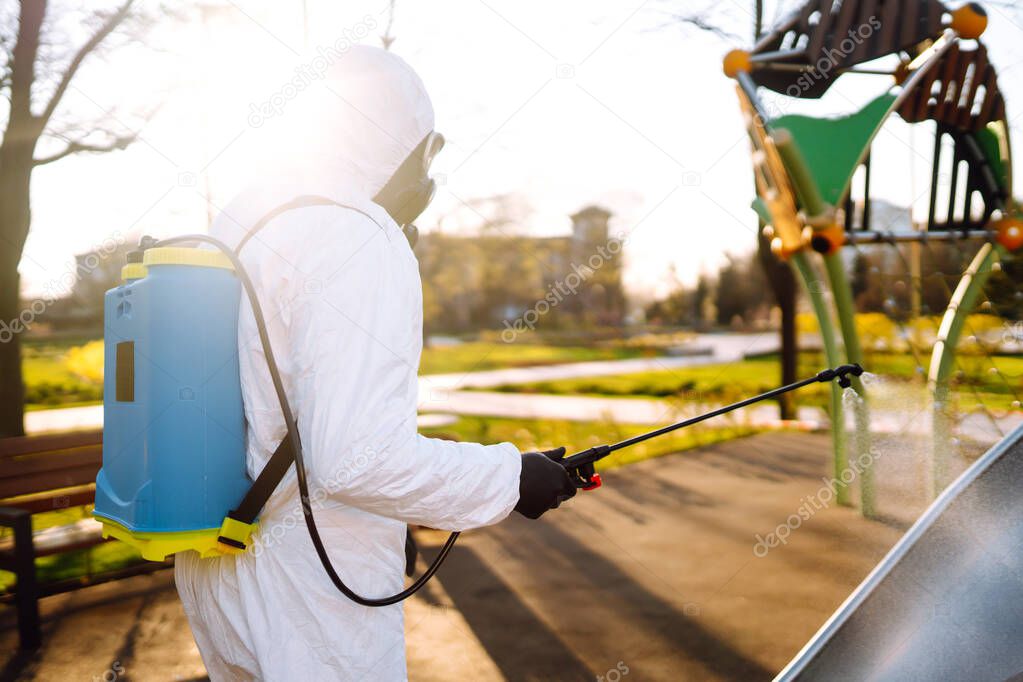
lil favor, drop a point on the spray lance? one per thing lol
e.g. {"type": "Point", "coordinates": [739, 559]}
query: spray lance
{"type": "Point", "coordinates": [580, 465]}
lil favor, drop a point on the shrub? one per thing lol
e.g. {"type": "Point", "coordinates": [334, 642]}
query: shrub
{"type": "Point", "coordinates": [86, 361]}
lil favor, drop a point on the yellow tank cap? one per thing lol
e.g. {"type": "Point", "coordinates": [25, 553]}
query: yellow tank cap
{"type": "Point", "coordinates": [182, 255]}
{"type": "Point", "coordinates": [133, 271]}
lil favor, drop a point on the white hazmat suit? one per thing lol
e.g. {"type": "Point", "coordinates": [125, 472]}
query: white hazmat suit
{"type": "Point", "coordinates": [343, 303]}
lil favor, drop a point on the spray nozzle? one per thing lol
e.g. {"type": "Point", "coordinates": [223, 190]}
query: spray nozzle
{"type": "Point", "coordinates": [842, 373]}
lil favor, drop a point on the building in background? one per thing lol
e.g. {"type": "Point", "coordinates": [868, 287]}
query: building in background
{"type": "Point", "coordinates": [480, 282]}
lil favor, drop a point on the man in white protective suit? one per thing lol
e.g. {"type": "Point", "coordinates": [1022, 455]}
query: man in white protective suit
{"type": "Point", "coordinates": [340, 290]}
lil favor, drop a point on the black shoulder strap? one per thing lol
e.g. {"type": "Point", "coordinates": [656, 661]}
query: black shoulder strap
{"type": "Point", "coordinates": [298, 202]}
{"type": "Point", "coordinates": [265, 484]}
{"type": "Point", "coordinates": [279, 463]}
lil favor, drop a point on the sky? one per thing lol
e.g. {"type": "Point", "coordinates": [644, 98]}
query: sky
{"type": "Point", "coordinates": [559, 104]}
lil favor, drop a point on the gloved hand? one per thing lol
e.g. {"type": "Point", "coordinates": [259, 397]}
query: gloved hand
{"type": "Point", "coordinates": [543, 484]}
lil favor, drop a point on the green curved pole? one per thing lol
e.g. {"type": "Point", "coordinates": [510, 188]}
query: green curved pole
{"type": "Point", "coordinates": [845, 309]}
{"type": "Point", "coordinates": [814, 205]}
{"type": "Point", "coordinates": [962, 303]}
{"type": "Point", "coordinates": [820, 307]}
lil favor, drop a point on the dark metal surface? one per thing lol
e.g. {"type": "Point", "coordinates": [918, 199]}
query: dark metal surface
{"type": "Point", "coordinates": [839, 35]}
{"type": "Point", "coordinates": [947, 601]}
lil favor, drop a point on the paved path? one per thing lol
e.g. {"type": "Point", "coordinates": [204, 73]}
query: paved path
{"type": "Point", "coordinates": [722, 347]}
{"type": "Point", "coordinates": [592, 408]}
{"type": "Point", "coordinates": [891, 419]}
{"type": "Point", "coordinates": [64, 419]}
{"type": "Point", "coordinates": [654, 573]}
{"type": "Point", "coordinates": [442, 393]}
{"type": "Point", "coordinates": [978, 426]}
{"type": "Point", "coordinates": [706, 349]}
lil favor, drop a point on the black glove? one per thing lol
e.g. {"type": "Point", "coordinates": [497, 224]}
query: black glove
{"type": "Point", "coordinates": [544, 484]}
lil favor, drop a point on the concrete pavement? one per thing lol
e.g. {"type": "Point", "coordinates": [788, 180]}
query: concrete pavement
{"type": "Point", "coordinates": [654, 577]}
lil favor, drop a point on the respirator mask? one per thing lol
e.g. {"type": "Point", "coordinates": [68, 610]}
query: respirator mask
{"type": "Point", "coordinates": [410, 190]}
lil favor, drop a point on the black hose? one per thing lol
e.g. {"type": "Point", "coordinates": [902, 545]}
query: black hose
{"type": "Point", "coordinates": [289, 421]}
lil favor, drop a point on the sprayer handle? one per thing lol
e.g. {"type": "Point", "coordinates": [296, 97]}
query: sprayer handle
{"type": "Point", "coordinates": [580, 467]}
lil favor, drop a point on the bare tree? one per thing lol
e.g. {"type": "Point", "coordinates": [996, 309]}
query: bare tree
{"type": "Point", "coordinates": [36, 72]}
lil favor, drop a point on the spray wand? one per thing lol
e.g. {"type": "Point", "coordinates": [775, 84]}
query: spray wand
{"type": "Point", "coordinates": [580, 465]}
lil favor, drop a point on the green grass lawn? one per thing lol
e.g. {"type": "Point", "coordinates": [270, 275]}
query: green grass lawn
{"type": "Point", "coordinates": [537, 434]}
{"type": "Point", "coordinates": [706, 383]}
{"type": "Point", "coordinates": [478, 356]}
{"type": "Point", "coordinates": [722, 383]}
{"type": "Point", "coordinates": [106, 557]}
{"type": "Point", "coordinates": [49, 383]}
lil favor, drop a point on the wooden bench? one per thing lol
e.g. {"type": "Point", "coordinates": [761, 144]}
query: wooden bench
{"type": "Point", "coordinates": [42, 474]}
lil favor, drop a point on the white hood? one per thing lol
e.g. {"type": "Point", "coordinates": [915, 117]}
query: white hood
{"type": "Point", "coordinates": [341, 136]}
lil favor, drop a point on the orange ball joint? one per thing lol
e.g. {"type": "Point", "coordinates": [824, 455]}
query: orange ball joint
{"type": "Point", "coordinates": [969, 21]}
{"type": "Point", "coordinates": [1010, 233]}
{"type": "Point", "coordinates": [827, 240]}
{"type": "Point", "coordinates": [736, 62]}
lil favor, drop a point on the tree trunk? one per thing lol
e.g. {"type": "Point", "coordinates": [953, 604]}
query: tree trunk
{"type": "Point", "coordinates": [12, 389]}
{"type": "Point", "coordinates": [19, 142]}
{"type": "Point", "coordinates": [789, 344]}
{"type": "Point", "coordinates": [783, 287]}
{"type": "Point", "coordinates": [15, 216]}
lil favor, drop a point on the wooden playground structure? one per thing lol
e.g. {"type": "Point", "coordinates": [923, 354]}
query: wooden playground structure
{"type": "Point", "coordinates": [813, 178]}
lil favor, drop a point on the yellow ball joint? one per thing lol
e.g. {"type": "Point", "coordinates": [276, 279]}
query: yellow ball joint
{"type": "Point", "coordinates": [1009, 232]}
{"type": "Point", "coordinates": [736, 62]}
{"type": "Point", "coordinates": [969, 21]}
{"type": "Point", "coordinates": [827, 240]}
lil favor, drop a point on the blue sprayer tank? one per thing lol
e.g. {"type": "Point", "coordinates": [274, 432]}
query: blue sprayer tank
{"type": "Point", "coordinates": [173, 424]}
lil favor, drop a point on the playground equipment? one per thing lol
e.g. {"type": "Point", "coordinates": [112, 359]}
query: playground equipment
{"type": "Point", "coordinates": [813, 178]}
{"type": "Point", "coordinates": [947, 601]}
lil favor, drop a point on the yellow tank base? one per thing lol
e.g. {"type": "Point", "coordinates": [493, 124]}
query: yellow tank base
{"type": "Point", "coordinates": [155, 546]}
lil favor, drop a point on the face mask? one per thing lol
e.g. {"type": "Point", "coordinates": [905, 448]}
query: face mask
{"type": "Point", "coordinates": [410, 190]}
